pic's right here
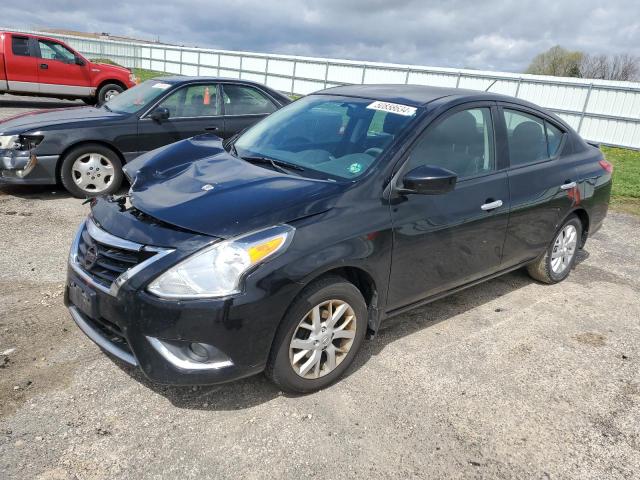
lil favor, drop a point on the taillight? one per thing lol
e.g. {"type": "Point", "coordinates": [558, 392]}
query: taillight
{"type": "Point", "coordinates": [607, 166]}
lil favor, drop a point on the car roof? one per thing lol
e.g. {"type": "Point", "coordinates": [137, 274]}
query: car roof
{"type": "Point", "coordinates": [413, 95]}
{"type": "Point", "coordinates": [187, 78]}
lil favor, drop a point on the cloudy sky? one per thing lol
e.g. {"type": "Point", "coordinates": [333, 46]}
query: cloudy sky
{"type": "Point", "coordinates": [490, 34]}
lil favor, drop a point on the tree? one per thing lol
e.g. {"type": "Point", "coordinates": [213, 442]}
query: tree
{"type": "Point", "coordinates": [610, 67]}
{"type": "Point", "coordinates": [558, 62]}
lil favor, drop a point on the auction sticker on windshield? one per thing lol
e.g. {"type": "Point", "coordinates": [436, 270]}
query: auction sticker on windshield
{"type": "Point", "coordinates": [396, 108]}
{"type": "Point", "coordinates": [162, 86]}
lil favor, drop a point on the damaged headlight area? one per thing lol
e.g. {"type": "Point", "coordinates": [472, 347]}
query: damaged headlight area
{"type": "Point", "coordinates": [217, 270]}
{"type": "Point", "coordinates": [19, 142]}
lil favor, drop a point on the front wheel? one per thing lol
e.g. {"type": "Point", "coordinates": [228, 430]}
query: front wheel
{"type": "Point", "coordinates": [108, 91]}
{"type": "Point", "coordinates": [319, 336]}
{"type": "Point", "coordinates": [91, 170]}
{"type": "Point", "coordinates": [560, 257]}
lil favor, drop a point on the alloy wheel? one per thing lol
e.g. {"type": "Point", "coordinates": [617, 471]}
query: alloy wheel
{"type": "Point", "coordinates": [322, 339]}
{"type": "Point", "coordinates": [564, 248]}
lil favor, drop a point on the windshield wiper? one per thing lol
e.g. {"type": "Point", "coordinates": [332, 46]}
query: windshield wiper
{"type": "Point", "coordinates": [276, 164]}
{"type": "Point", "coordinates": [106, 107]}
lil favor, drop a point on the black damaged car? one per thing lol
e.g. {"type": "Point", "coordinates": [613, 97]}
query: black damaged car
{"type": "Point", "coordinates": [84, 148]}
{"type": "Point", "coordinates": [279, 250]}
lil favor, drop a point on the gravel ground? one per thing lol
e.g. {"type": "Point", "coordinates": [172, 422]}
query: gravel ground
{"type": "Point", "coordinates": [509, 379]}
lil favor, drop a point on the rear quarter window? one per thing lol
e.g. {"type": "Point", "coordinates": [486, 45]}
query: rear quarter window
{"type": "Point", "coordinates": [20, 46]}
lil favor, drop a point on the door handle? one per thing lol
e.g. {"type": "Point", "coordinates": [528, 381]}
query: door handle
{"type": "Point", "coordinates": [212, 129]}
{"type": "Point", "coordinates": [44, 66]}
{"type": "Point", "coordinates": [568, 186]}
{"type": "Point", "coordinates": [491, 205]}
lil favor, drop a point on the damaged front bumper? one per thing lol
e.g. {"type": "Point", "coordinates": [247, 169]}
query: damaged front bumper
{"type": "Point", "coordinates": [24, 167]}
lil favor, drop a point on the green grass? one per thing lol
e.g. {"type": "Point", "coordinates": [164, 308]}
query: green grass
{"type": "Point", "coordinates": [625, 195]}
{"type": "Point", "coordinates": [143, 74]}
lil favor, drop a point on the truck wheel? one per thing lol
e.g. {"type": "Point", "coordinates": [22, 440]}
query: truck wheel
{"type": "Point", "coordinates": [108, 91]}
{"type": "Point", "coordinates": [91, 170]}
{"type": "Point", "coordinates": [319, 336]}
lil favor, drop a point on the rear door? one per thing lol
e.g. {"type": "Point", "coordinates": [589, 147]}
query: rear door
{"type": "Point", "coordinates": [193, 109]}
{"type": "Point", "coordinates": [443, 241]}
{"type": "Point", "coordinates": [243, 106]}
{"type": "Point", "coordinates": [58, 72]}
{"type": "Point", "coordinates": [542, 183]}
{"type": "Point", "coordinates": [21, 63]}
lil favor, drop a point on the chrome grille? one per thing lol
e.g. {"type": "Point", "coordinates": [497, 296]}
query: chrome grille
{"type": "Point", "coordinates": [103, 262]}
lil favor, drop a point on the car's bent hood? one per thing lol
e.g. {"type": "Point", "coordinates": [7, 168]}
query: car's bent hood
{"type": "Point", "coordinates": [38, 119]}
{"type": "Point", "coordinates": [195, 184]}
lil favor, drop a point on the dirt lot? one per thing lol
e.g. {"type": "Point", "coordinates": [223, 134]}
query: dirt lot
{"type": "Point", "coordinates": [510, 379]}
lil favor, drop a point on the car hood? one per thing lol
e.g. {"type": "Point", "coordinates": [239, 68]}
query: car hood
{"type": "Point", "coordinates": [195, 184]}
{"type": "Point", "coordinates": [112, 68]}
{"type": "Point", "coordinates": [44, 118]}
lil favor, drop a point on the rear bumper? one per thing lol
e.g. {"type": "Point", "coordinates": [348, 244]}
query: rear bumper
{"type": "Point", "coordinates": [17, 167]}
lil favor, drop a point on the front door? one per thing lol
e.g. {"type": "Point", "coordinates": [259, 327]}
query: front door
{"type": "Point", "coordinates": [58, 72]}
{"type": "Point", "coordinates": [193, 109]}
{"type": "Point", "coordinates": [443, 241]}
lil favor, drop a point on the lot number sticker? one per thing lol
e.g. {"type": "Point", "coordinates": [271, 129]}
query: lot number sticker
{"type": "Point", "coordinates": [162, 86]}
{"type": "Point", "coordinates": [396, 108]}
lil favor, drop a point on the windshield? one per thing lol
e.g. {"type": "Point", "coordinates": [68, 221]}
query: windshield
{"type": "Point", "coordinates": [137, 97]}
{"type": "Point", "coordinates": [334, 137]}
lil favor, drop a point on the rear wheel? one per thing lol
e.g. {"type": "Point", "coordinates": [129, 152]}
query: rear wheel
{"type": "Point", "coordinates": [91, 170]}
{"type": "Point", "coordinates": [108, 91]}
{"type": "Point", "coordinates": [560, 257]}
{"type": "Point", "coordinates": [319, 336]}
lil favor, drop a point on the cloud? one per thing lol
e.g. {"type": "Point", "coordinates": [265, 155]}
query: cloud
{"type": "Point", "coordinates": [488, 35]}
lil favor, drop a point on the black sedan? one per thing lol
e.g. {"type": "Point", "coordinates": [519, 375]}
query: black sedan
{"type": "Point", "coordinates": [277, 251]}
{"type": "Point", "coordinates": [86, 147]}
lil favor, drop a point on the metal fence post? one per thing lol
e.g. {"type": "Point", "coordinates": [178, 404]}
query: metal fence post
{"type": "Point", "coordinates": [266, 71]}
{"type": "Point", "coordinates": [584, 107]}
{"type": "Point", "coordinates": [326, 73]}
{"type": "Point", "coordinates": [406, 77]}
{"type": "Point", "coordinates": [293, 77]}
{"type": "Point", "coordinates": [458, 80]}
{"type": "Point", "coordinates": [518, 87]}
{"type": "Point", "coordinates": [364, 71]}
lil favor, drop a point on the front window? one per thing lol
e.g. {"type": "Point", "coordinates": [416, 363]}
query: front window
{"type": "Point", "coordinates": [193, 101]}
{"type": "Point", "coordinates": [137, 97]}
{"type": "Point", "coordinates": [54, 51]}
{"type": "Point", "coordinates": [327, 136]}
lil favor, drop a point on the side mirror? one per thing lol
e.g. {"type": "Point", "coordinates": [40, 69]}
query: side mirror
{"type": "Point", "coordinates": [80, 62]}
{"type": "Point", "coordinates": [160, 114]}
{"type": "Point", "coordinates": [428, 180]}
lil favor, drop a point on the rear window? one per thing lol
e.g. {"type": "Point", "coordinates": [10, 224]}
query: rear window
{"type": "Point", "coordinates": [20, 46]}
{"type": "Point", "coordinates": [530, 138]}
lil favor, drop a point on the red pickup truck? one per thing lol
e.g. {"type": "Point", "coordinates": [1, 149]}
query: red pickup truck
{"type": "Point", "coordinates": [41, 66]}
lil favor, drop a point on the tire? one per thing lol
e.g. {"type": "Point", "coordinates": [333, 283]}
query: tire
{"type": "Point", "coordinates": [543, 268]}
{"type": "Point", "coordinates": [337, 291]}
{"type": "Point", "coordinates": [99, 168]}
{"type": "Point", "coordinates": [108, 90]}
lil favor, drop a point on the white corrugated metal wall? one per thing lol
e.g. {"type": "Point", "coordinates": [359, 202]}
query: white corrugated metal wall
{"type": "Point", "coordinates": [602, 111]}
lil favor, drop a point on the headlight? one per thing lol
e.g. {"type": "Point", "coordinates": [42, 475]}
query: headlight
{"type": "Point", "coordinates": [19, 142]}
{"type": "Point", "coordinates": [217, 271]}
{"type": "Point", "coordinates": [9, 142]}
